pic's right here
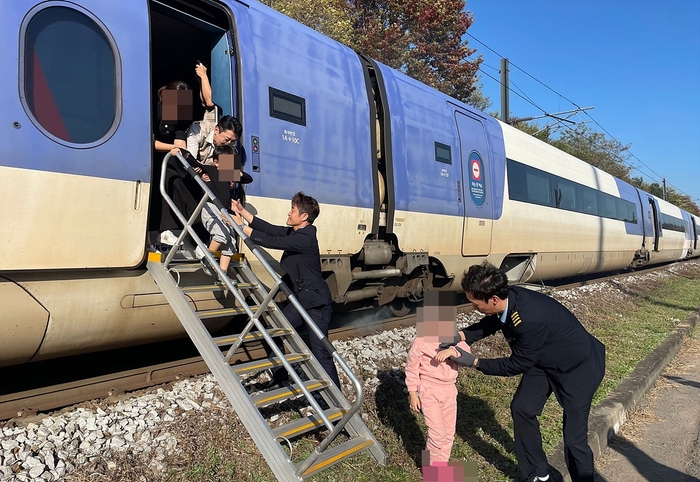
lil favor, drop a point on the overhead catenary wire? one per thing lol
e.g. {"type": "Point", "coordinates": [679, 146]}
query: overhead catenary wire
{"type": "Point", "coordinates": [655, 177]}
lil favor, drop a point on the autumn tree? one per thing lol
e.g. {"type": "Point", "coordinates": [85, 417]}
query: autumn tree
{"type": "Point", "coordinates": [421, 38]}
{"type": "Point", "coordinates": [330, 17]}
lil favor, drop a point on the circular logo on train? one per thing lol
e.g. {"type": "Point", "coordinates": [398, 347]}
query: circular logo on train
{"type": "Point", "coordinates": [477, 186]}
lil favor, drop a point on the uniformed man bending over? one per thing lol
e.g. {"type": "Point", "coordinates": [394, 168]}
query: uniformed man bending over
{"type": "Point", "coordinates": [551, 350]}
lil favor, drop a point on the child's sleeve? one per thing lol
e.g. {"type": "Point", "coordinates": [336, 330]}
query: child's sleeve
{"type": "Point", "coordinates": [463, 345]}
{"type": "Point", "coordinates": [412, 367]}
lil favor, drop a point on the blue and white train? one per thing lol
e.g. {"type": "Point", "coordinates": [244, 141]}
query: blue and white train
{"type": "Point", "coordinates": [414, 186]}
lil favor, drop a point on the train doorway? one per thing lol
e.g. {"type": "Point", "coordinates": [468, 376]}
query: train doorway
{"type": "Point", "coordinates": [182, 35]}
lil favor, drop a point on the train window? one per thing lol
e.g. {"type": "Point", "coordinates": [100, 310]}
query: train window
{"type": "Point", "coordinates": [566, 197]}
{"type": "Point", "coordinates": [609, 206]}
{"type": "Point", "coordinates": [286, 106]}
{"type": "Point", "coordinates": [538, 188]}
{"type": "Point", "coordinates": [590, 201]}
{"type": "Point", "coordinates": [517, 188]}
{"type": "Point", "coordinates": [69, 76]}
{"type": "Point", "coordinates": [443, 153]}
{"type": "Point", "coordinates": [672, 223]}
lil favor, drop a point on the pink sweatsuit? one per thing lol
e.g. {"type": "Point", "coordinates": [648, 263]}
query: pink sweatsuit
{"type": "Point", "coordinates": [435, 384]}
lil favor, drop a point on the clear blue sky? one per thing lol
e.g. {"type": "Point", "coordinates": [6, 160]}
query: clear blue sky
{"type": "Point", "coordinates": [636, 61]}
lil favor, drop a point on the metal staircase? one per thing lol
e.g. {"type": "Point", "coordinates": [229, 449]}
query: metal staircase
{"type": "Point", "coordinates": [346, 435]}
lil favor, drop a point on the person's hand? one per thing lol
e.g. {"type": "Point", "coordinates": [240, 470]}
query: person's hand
{"type": "Point", "coordinates": [464, 358]}
{"type": "Point", "coordinates": [200, 70]}
{"type": "Point", "coordinates": [457, 338]}
{"type": "Point", "coordinates": [237, 207]}
{"type": "Point", "coordinates": [237, 219]}
{"type": "Point", "coordinates": [443, 355]}
{"type": "Point", "coordinates": [205, 177]}
{"type": "Point", "coordinates": [175, 151]}
{"type": "Point", "coordinates": [414, 401]}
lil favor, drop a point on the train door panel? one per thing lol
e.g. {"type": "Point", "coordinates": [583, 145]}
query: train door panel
{"type": "Point", "coordinates": [476, 186]}
{"type": "Point", "coordinates": [655, 231]}
{"type": "Point", "coordinates": [75, 142]}
{"type": "Point", "coordinates": [223, 74]}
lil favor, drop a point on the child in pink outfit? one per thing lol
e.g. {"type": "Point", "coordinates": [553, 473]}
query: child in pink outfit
{"type": "Point", "coordinates": [431, 385]}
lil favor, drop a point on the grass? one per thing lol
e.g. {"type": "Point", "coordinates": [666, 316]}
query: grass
{"type": "Point", "coordinates": [631, 319]}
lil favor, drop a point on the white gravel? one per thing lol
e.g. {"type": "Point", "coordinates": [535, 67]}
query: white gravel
{"type": "Point", "coordinates": [52, 447]}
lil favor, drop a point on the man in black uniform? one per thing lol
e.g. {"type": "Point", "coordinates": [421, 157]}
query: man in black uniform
{"type": "Point", "coordinates": [301, 260]}
{"type": "Point", "coordinates": [552, 351]}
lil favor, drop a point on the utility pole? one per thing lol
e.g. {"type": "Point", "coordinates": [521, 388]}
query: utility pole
{"type": "Point", "coordinates": [505, 106]}
{"type": "Point", "coordinates": [663, 181]}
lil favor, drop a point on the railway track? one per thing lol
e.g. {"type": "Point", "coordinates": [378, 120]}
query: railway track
{"type": "Point", "coordinates": [27, 403]}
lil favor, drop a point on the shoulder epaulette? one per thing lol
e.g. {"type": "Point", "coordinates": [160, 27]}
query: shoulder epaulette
{"type": "Point", "coordinates": [515, 316]}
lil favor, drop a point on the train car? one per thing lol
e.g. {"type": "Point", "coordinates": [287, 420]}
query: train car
{"type": "Point", "coordinates": [414, 186]}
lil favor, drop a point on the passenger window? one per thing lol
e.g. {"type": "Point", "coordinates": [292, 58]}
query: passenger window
{"type": "Point", "coordinates": [69, 76]}
{"type": "Point", "coordinates": [538, 190]}
{"type": "Point", "coordinates": [590, 201]}
{"type": "Point", "coordinates": [443, 153]}
{"type": "Point", "coordinates": [286, 106]}
{"type": "Point", "coordinates": [567, 195]}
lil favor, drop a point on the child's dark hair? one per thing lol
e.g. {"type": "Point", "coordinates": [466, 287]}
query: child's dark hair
{"type": "Point", "coordinates": [223, 150]}
{"type": "Point", "coordinates": [306, 204]}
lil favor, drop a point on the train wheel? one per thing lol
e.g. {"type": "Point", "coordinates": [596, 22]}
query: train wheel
{"type": "Point", "coordinates": [400, 306]}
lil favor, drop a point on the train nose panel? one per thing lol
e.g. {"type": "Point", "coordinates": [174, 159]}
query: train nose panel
{"type": "Point", "coordinates": [24, 322]}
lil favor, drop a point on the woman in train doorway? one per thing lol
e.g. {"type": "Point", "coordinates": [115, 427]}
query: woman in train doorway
{"type": "Point", "coordinates": [301, 260]}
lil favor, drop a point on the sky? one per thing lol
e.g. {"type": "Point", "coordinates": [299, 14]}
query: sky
{"type": "Point", "coordinates": [636, 61]}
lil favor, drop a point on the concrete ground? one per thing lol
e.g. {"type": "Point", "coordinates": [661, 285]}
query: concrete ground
{"type": "Point", "coordinates": [648, 429]}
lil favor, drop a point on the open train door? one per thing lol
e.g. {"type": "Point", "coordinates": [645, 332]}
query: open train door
{"type": "Point", "coordinates": [476, 190]}
{"type": "Point", "coordinates": [654, 222]}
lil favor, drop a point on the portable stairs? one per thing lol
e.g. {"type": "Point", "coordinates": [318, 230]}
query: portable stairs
{"type": "Point", "coordinates": [347, 434]}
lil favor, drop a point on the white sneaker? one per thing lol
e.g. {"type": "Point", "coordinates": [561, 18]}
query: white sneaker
{"type": "Point", "coordinates": [167, 237]}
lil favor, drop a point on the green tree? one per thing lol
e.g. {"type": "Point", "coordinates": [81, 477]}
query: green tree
{"type": "Point", "coordinates": [330, 17]}
{"type": "Point", "coordinates": [596, 149]}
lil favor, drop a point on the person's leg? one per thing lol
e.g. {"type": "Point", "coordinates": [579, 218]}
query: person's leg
{"type": "Point", "coordinates": [181, 196]}
{"type": "Point", "coordinates": [527, 405]}
{"type": "Point", "coordinates": [431, 406]}
{"type": "Point", "coordinates": [449, 416]}
{"type": "Point", "coordinates": [322, 318]}
{"type": "Point", "coordinates": [574, 391]}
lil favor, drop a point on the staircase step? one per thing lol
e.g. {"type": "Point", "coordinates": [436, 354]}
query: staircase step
{"type": "Point", "coordinates": [206, 314]}
{"type": "Point", "coordinates": [306, 424]}
{"type": "Point", "coordinates": [338, 453]}
{"type": "Point", "coordinates": [217, 287]}
{"type": "Point", "coordinates": [285, 393]}
{"type": "Point", "coordinates": [259, 365]}
{"type": "Point", "coordinates": [254, 336]}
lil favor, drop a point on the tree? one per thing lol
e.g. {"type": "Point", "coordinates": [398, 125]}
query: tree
{"type": "Point", "coordinates": [596, 149]}
{"type": "Point", "coordinates": [330, 17]}
{"type": "Point", "coordinates": [421, 38]}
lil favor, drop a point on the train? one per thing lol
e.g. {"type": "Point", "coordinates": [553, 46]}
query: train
{"type": "Point", "coordinates": [414, 186]}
